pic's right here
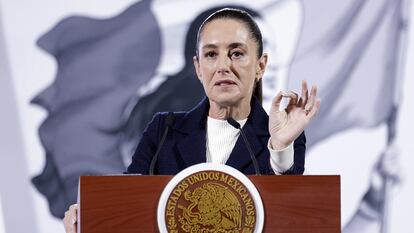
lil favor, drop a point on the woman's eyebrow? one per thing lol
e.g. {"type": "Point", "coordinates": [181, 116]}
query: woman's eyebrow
{"type": "Point", "coordinates": [237, 45]}
{"type": "Point", "coordinates": [209, 46]}
{"type": "Point", "coordinates": [230, 46]}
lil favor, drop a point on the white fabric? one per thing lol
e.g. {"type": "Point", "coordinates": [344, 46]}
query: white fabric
{"type": "Point", "coordinates": [221, 138]}
{"type": "Point", "coordinates": [281, 160]}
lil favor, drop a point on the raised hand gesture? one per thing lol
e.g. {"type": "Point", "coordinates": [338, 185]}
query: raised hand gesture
{"type": "Point", "coordinates": [285, 125]}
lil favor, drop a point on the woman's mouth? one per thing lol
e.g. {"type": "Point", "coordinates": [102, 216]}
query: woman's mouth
{"type": "Point", "coordinates": [225, 82]}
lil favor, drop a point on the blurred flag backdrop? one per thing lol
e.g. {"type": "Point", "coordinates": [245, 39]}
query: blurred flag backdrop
{"type": "Point", "coordinates": [108, 69]}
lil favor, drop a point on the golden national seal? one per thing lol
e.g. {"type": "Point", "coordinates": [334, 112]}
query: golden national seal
{"type": "Point", "coordinates": [210, 201]}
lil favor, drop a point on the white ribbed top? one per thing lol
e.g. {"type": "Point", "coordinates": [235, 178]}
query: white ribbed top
{"type": "Point", "coordinates": [220, 139]}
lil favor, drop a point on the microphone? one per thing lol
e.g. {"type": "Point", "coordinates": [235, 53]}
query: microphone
{"type": "Point", "coordinates": [169, 120]}
{"type": "Point", "coordinates": [236, 125]}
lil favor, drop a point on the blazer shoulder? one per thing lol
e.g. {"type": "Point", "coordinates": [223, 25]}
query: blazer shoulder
{"type": "Point", "coordinates": [160, 118]}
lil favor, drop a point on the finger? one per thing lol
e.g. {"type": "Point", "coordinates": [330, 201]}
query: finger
{"type": "Point", "coordinates": [69, 227]}
{"type": "Point", "coordinates": [73, 213]}
{"type": "Point", "coordinates": [312, 98]}
{"type": "Point", "coordinates": [304, 96]}
{"type": "Point", "coordinates": [314, 109]}
{"type": "Point", "coordinates": [277, 100]}
{"type": "Point", "coordinates": [293, 97]}
{"type": "Point", "coordinates": [66, 222]}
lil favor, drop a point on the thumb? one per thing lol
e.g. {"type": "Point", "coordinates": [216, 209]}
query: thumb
{"type": "Point", "coordinates": [277, 100]}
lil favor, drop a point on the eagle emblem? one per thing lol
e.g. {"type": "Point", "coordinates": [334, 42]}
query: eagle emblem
{"type": "Point", "coordinates": [212, 206]}
{"type": "Point", "coordinates": [209, 201]}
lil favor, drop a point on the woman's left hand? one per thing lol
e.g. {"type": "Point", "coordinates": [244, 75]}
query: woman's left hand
{"type": "Point", "coordinates": [287, 124]}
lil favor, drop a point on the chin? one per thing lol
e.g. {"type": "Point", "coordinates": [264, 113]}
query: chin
{"type": "Point", "coordinates": [227, 99]}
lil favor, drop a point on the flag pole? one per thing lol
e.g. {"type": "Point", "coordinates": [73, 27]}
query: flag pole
{"type": "Point", "coordinates": [402, 24]}
{"type": "Point", "coordinates": [388, 182]}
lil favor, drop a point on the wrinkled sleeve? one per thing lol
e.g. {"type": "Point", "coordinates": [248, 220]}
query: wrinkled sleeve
{"type": "Point", "coordinates": [281, 160]}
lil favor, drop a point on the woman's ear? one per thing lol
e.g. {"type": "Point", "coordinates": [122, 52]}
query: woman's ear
{"type": "Point", "coordinates": [261, 66]}
{"type": "Point", "coordinates": [196, 63]}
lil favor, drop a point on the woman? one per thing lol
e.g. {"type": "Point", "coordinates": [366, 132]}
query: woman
{"type": "Point", "coordinates": [230, 63]}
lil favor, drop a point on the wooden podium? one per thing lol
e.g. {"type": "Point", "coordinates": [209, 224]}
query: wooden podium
{"type": "Point", "coordinates": [128, 204]}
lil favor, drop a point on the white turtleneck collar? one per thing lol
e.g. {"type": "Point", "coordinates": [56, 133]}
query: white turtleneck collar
{"type": "Point", "coordinates": [220, 139]}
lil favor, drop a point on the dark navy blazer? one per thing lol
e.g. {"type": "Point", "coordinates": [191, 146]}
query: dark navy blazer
{"type": "Point", "coordinates": [185, 144]}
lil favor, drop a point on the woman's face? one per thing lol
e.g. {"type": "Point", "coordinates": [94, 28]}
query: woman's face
{"type": "Point", "coordinates": [228, 65]}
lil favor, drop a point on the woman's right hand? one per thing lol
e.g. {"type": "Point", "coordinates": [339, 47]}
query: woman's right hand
{"type": "Point", "coordinates": [285, 125]}
{"type": "Point", "coordinates": [71, 218]}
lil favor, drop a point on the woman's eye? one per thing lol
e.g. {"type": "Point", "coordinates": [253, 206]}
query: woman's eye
{"type": "Point", "coordinates": [210, 54]}
{"type": "Point", "coordinates": [236, 54]}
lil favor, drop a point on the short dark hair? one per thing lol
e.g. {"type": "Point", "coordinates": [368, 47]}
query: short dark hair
{"type": "Point", "coordinates": [240, 15]}
{"type": "Point", "coordinates": [246, 18]}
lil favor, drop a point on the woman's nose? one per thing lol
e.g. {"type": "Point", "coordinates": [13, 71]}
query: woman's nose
{"type": "Point", "coordinates": [224, 63]}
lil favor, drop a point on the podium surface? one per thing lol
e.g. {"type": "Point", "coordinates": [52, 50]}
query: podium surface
{"type": "Point", "coordinates": [300, 204]}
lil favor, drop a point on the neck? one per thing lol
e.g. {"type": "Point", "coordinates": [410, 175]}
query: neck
{"type": "Point", "coordinates": [223, 112]}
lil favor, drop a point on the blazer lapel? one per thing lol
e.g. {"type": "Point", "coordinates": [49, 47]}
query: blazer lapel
{"type": "Point", "coordinates": [192, 146]}
{"type": "Point", "coordinates": [255, 128]}
{"type": "Point", "coordinates": [240, 156]}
